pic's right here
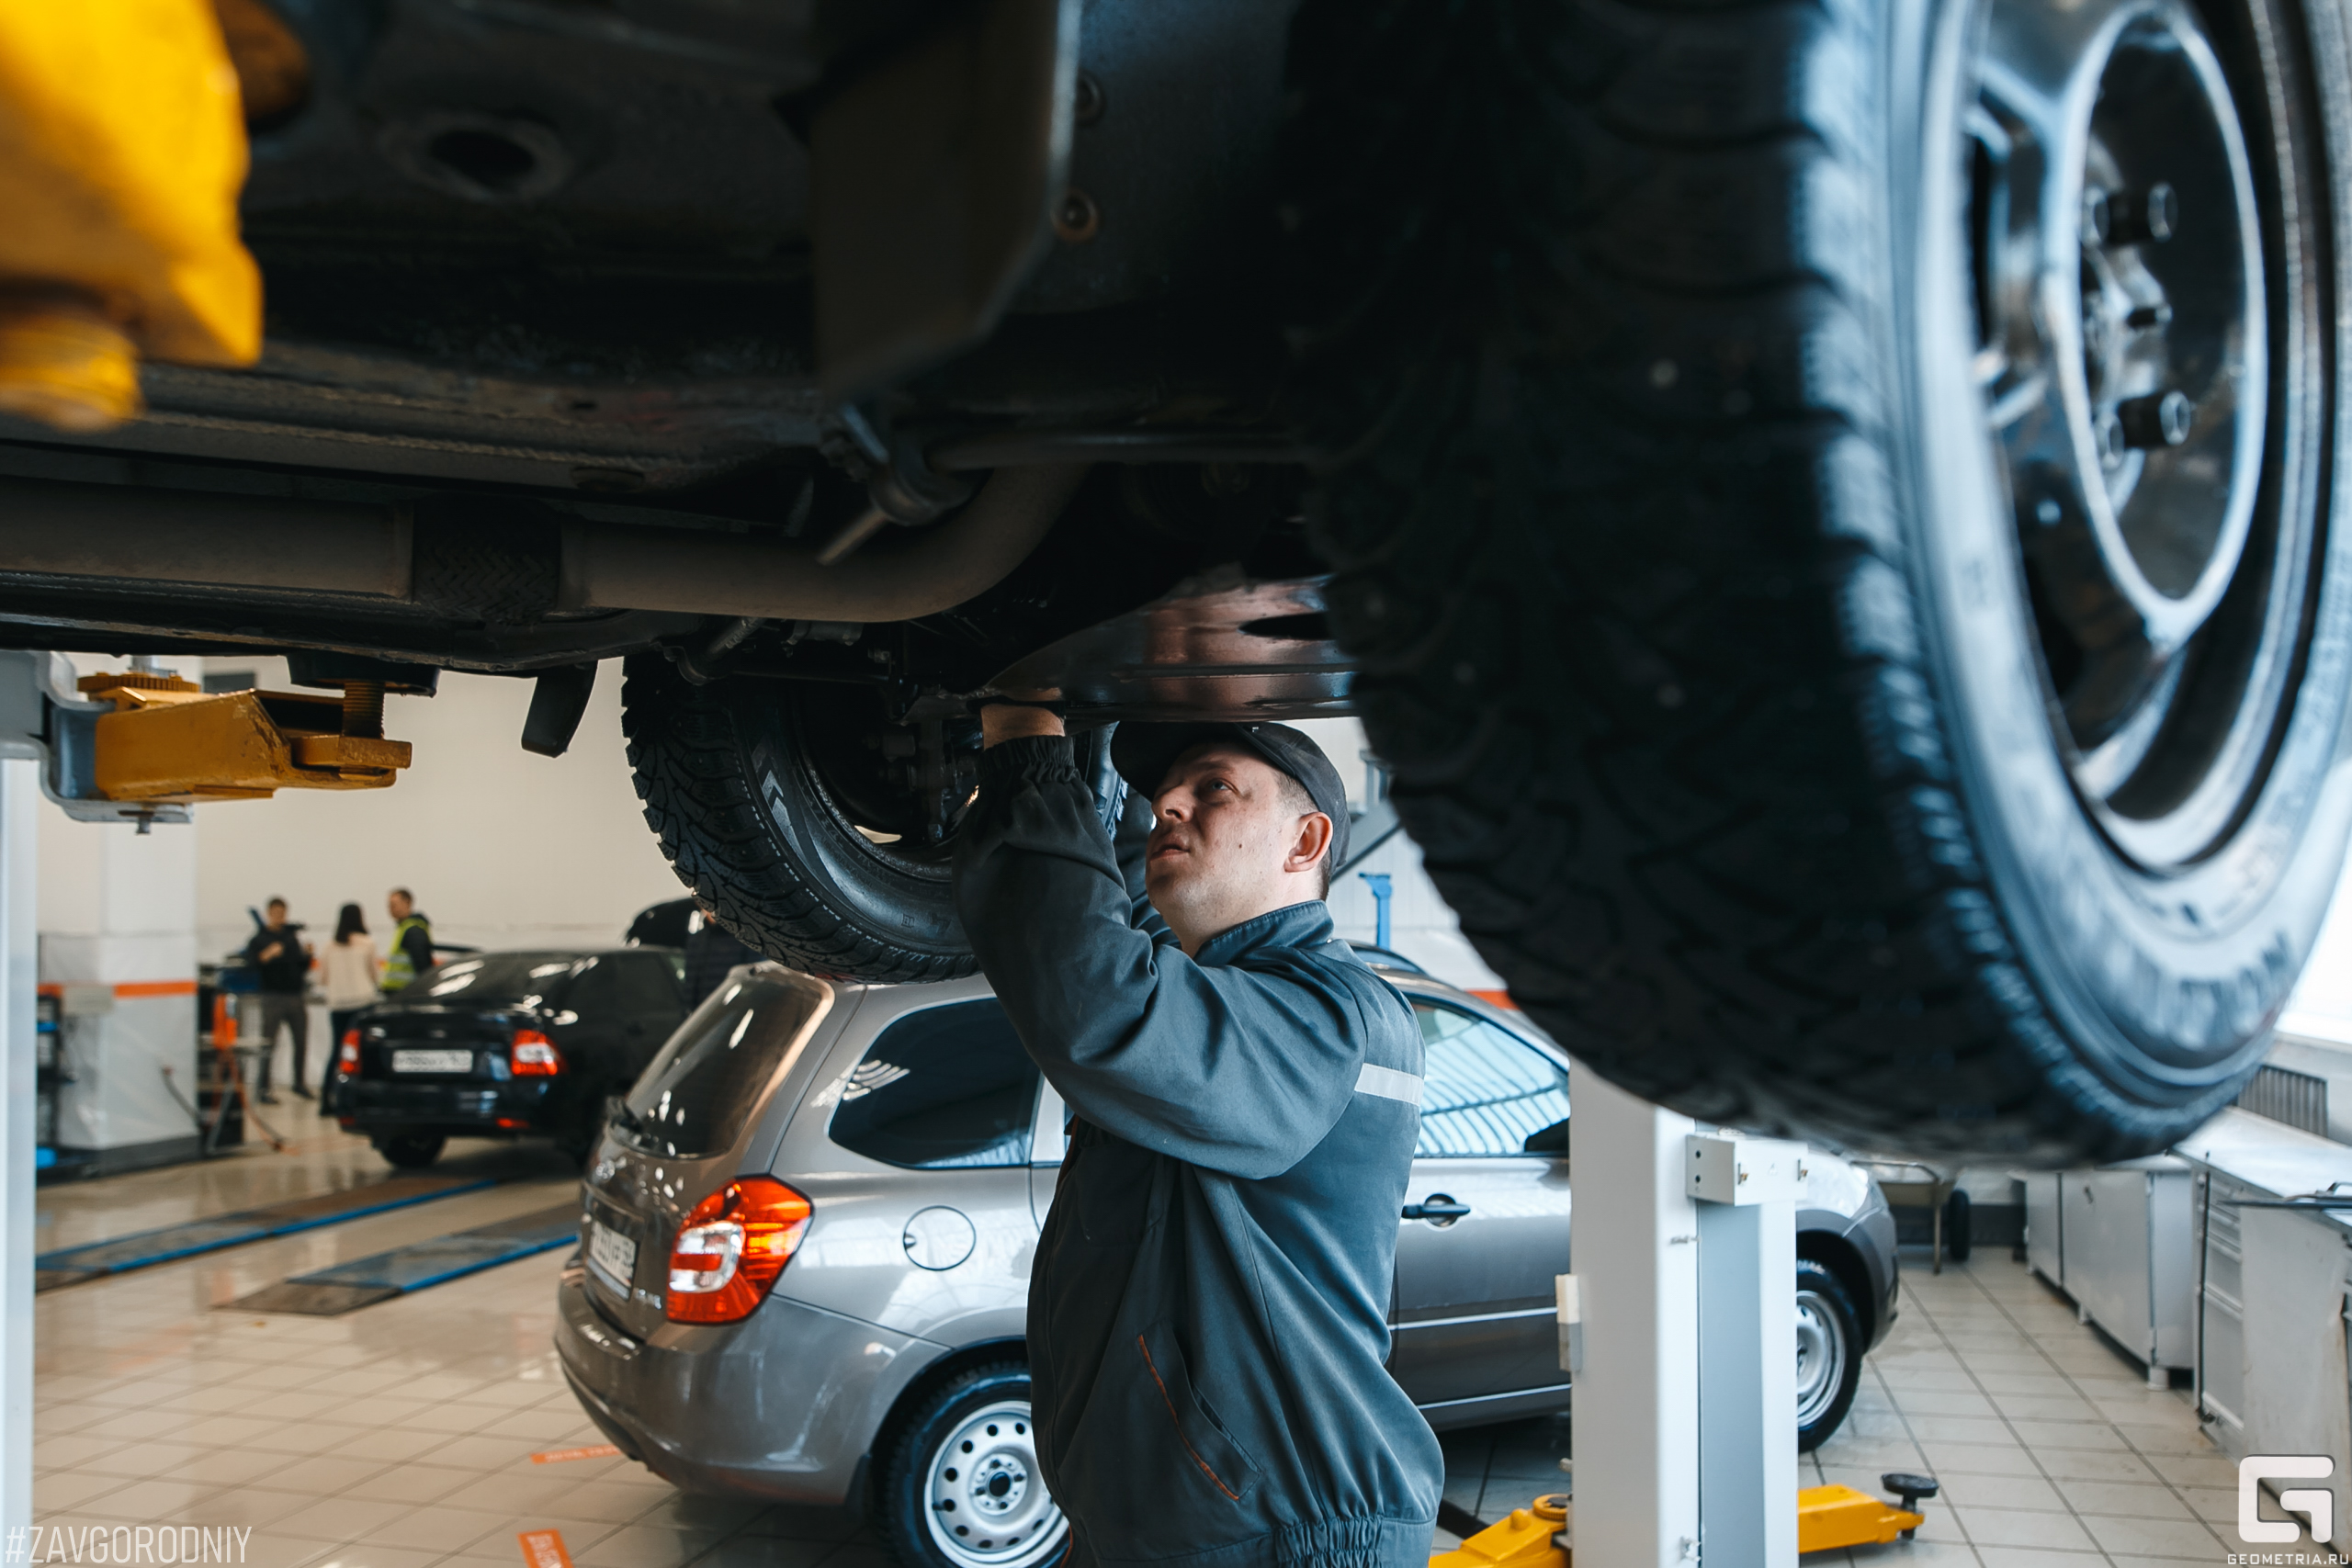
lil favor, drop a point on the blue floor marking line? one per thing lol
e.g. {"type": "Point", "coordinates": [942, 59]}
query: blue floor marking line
{"type": "Point", "coordinates": [143, 1250]}
{"type": "Point", "coordinates": [420, 1265]}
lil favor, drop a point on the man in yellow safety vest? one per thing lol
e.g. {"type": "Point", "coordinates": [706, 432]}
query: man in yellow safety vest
{"type": "Point", "coordinates": [412, 942]}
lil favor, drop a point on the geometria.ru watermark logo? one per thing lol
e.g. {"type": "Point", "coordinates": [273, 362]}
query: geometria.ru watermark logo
{"type": "Point", "coordinates": [2315, 1504]}
{"type": "Point", "coordinates": [125, 1544]}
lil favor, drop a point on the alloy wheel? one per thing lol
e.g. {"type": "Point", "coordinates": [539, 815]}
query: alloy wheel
{"type": "Point", "coordinates": [2122, 350]}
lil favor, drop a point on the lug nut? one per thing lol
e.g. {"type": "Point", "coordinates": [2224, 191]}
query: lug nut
{"type": "Point", "coordinates": [2160, 419]}
{"type": "Point", "coordinates": [2138, 218]}
{"type": "Point", "coordinates": [1076, 218]}
{"type": "Point", "coordinates": [2113, 445]}
{"type": "Point", "coordinates": [2143, 317]}
{"type": "Point", "coordinates": [2098, 218]}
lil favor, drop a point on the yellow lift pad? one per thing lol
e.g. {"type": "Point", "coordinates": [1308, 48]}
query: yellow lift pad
{"type": "Point", "coordinates": [168, 743]}
{"type": "Point", "coordinates": [122, 150]}
{"type": "Point", "coordinates": [1827, 1517]}
{"type": "Point", "coordinates": [1831, 1517]}
{"type": "Point", "coordinates": [1523, 1540]}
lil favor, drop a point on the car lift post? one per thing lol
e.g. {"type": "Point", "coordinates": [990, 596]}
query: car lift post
{"type": "Point", "coordinates": [1685, 1400]}
{"type": "Point", "coordinates": [1677, 1331]}
{"type": "Point", "coordinates": [20, 791]}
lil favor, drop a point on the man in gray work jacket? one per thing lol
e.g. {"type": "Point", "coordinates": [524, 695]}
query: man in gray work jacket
{"type": "Point", "coordinates": [1208, 1313]}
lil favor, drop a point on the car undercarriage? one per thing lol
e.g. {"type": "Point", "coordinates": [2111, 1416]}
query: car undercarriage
{"type": "Point", "coordinates": [1824, 508]}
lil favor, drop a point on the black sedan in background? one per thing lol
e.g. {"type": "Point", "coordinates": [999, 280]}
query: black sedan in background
{"type": "Point", "coordinates": [506, 1045]}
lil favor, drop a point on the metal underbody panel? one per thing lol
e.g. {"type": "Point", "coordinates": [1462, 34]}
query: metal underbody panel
{"type": "Point", "coordinates": [556, 261]}
{"type": "Point", "coordinates": [1221, 648]}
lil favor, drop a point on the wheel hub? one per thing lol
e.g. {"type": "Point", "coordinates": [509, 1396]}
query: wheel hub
{"type": "Point", "coordinates": [2122, 347]}
{"type": "Point", "coordinates": [1820, 1359]}
{"type": "Point", "coordinates": [989, 1505]}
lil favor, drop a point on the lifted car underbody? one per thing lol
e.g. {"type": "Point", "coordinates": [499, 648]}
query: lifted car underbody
{"type": "Point", "coordinates": [556, 370]}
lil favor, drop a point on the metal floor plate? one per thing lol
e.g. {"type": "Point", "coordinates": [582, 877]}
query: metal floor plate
{"type": "Point", "coordinates": [143, 1250]}
{"type": "Point", "coordinates": [329, 1292]}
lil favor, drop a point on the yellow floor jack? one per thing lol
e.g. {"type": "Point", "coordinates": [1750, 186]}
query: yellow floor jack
{"type": "Point", "coordinates": [1827, 1517]}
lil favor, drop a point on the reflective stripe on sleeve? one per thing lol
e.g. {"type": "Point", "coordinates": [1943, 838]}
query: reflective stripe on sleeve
{"type": "Point", "coordinates": [1388, 1083]}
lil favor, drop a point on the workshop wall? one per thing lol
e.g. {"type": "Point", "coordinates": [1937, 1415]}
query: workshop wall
{"type": "Point", "coordinates": [503, 848]}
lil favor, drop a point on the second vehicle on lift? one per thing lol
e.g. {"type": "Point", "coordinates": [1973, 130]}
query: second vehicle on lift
{"type": "Point", "coordinates": [505, 1045]}
{"type": "Point", "coordinates": [805, 1270]}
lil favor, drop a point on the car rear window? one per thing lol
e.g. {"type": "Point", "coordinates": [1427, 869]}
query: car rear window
{"type": "Point", "coordinates": [948, 1088]}
{"type": "Point", "coordinates": [693, 1098]}
{"type": "Point", "coordinates": [492, 979]}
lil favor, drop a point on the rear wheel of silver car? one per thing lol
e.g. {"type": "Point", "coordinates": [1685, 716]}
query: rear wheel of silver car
{"type": "Point", "coordinates": [1829, 1354]}
{"type": "Point", "coordinates": [962, 1487]}
{"type": "Point", "coordinates": [1835, 506]}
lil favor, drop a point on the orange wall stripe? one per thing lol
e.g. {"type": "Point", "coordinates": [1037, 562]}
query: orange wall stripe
{"type": "Point", "coordinates": [132, 989]}
{"type": "Point", "coordinates": [1497, 998]}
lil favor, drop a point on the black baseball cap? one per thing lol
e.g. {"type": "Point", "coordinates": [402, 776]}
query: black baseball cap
{"type": "Point", "coordinates": [1144, 752]}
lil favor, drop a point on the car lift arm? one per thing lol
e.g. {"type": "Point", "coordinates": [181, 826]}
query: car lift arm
{"type": "Point", "coordinates": [142, 745]}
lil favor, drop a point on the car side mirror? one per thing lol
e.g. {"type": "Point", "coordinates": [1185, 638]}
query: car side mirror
{"type": "Point", "coordinates": [1551, 1140]}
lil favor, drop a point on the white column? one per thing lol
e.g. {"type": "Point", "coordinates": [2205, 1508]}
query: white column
{"type": "Point", "coordinates": [117, 925]}
{"type": "Point", "coordinates": [20, 794]}
{"type": "Point", "coordinates": [1636, 1401]}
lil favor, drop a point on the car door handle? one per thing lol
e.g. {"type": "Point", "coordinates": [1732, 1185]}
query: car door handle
{"type": "Point", "coordinates": [1438, 1207]}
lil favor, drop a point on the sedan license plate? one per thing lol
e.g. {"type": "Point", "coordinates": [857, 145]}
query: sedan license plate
{"type": "Point", "coordinates": [433, 1061]}
{"type": "Point", "coordinates": [614, 1254]}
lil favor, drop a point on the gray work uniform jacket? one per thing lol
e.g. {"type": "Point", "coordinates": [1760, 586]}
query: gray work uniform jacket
{"type": "Point", "coordinates": [1208, 1314]}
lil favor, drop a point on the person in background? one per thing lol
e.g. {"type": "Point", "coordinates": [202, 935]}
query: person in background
{"type": "Point", "coordinates": [412, 942]}
{"type": "Point", "coordinates": [711, 951]}
{"type": "Point", "coordinates": [348, 974]}
{"type": "Point", "coordinates": [281, 964]}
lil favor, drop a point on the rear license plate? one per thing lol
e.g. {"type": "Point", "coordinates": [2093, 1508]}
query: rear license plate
{"type": "Point", "coordinates": [433, 1061]}
{"type": "Point", "coordinates": [613, 1254]}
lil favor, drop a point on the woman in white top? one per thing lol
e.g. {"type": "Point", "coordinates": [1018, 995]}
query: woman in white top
{"type": "Point", "coordinates": [351, 968]}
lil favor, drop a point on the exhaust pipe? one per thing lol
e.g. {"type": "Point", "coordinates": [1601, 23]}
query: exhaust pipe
{"type": "Point", "coordinates": [269, 544]}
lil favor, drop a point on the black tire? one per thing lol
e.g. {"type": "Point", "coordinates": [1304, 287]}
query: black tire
{"type": "Point", "coordinates": [1957, 1224]}
{"type": "Point", "coordinates": [1687, 576]}
{"type": "Point", "coordinates": [758, 790]}
{"type": "Point", "coordinates": [910, 1487]}
{"type": "Point", "coordinates": [410, 1151]}
{"type": "Point", "coordinates": [1829, 1354]}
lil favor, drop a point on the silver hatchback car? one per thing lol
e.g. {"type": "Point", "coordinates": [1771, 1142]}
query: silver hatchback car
{"type": "Point", "coordinates": [807, 1232]}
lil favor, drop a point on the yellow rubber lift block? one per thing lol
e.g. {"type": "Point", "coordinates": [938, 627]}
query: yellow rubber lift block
{"type": "Point", "coordinates": [122, 150]}
{"type": "Point", "coordinates": [1829, 1518]}
{"type": "Point", "coordinates": [1833, 1516]}
{"type": "Point", "coordinates": [1528, 1538]}
{"type": "Point", "coordinates": [168, 743]}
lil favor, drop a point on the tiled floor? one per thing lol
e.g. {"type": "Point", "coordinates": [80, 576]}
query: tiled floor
{"type": "Point", "coordinates": [401, 1435]}
{"type": "Point", "coordinates": [396, 1436]}
{"type": "Point", "coordinates": [2051, 1450]}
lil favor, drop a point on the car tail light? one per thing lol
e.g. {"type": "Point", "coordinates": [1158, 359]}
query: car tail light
{"type": "Point", "coordinates": [348, 1058]}
{"type": "Point", "coordinates": [731, 1247]}
{"type": "Point", "coordinates": [532, 1055]}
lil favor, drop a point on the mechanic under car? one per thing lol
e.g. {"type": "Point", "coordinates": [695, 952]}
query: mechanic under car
{"type": "Point", "coordinates": [1207, 1314]}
